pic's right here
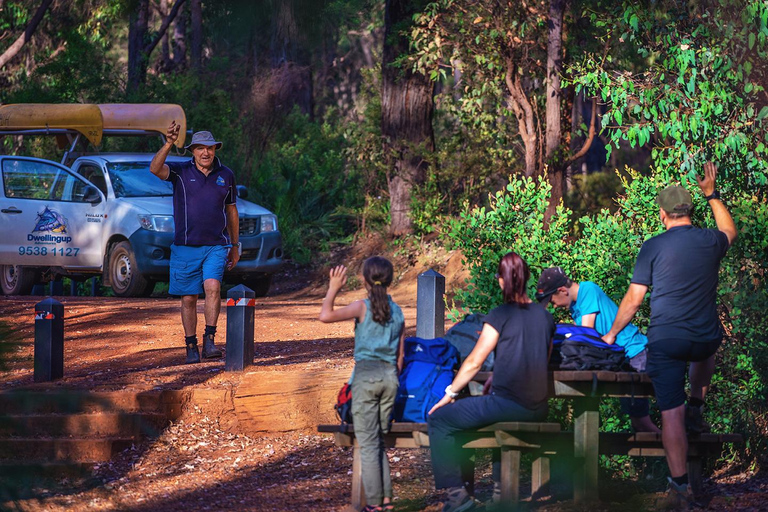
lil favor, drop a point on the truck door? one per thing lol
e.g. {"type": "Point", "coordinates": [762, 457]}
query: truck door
{"type": "Point", "coordinates": [48, 216]}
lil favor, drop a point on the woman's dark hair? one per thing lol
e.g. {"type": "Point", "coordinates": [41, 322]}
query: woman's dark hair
{"type": "Point", "coordinates": [378, 272]}
{"type": "Point", "coordinates": [514, 270]}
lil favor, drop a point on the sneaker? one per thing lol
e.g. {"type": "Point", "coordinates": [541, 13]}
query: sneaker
{"type": "Point", "coordinates": [678, 497]}
{"type": "Point", "coordinates": [458, 500]}
{"type": "Point", "coordinates": [209, 349]}
{"type": "Point", "coordinates": [694, 420]}
{"type": "Point", "coordinates": [193, 355]}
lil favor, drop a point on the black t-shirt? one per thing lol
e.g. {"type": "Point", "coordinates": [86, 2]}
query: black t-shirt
{"type": "Point", "coordinates": [681, 265]}
{"type": "Point", "coordinates": [520, 370]}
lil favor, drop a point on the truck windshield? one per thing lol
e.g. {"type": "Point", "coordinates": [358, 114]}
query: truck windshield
{"type": "Point", "coordinates": [133, 179]}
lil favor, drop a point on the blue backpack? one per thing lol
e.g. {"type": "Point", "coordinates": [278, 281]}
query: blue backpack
{"type": "Point", "coordinates": [427, 370]}
{"type": "Point", "coordinates": [581, 348]}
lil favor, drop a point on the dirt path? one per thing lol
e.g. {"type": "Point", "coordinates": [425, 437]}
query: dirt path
{"type": "Point", "coordinates": [200, 463]}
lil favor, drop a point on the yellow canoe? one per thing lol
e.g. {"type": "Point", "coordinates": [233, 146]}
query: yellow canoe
{"type": "Point", "coordinates": [155, 117]}
{"type": "Point", "coordinates": [86, 119]}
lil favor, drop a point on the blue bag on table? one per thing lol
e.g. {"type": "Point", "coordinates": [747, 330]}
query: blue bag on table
{"type": "Point", "coordinates": [428, 367]}
{"type": "Point", "coordinates": [582, 348]}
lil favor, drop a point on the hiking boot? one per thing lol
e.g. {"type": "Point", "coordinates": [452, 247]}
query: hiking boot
{"type": "Point", "coordinates": [193, 355]}
{"type": "Point", "coordinates": [678, 497]}
{"type": "Point", "coordinates": [694, 420]}
{"type": "Point", "coordinates": [458, 500]}
{"type": "Point", "coordinates": [209, 349]}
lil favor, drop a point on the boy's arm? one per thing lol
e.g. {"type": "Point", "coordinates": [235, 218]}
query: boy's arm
{"type": "Point", "coordinates": [589, 320]}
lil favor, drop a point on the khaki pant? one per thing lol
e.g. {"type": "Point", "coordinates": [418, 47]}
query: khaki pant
{"type": "Point", "coordinates": [374, 387]}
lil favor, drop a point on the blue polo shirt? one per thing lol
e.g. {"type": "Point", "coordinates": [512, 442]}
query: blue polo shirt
{"type": "Point", "coordinates": [199, 201]}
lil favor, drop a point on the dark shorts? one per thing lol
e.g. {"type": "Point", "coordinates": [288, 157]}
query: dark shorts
{"type": "Point", "coordinates": [667, 363]}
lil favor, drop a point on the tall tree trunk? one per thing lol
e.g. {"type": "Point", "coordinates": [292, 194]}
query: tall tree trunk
{"type": "Point", "coordinates": [553, 105]}
{"type": "Point", "coordinates": [180, 39]}
{"type": "Point", "coordinates": [406, 117]}
{"type": "Point", "coordinates": [137, 34]}
{"type": "Point", "coordinates": [26, 36]}
{"type": "Point", "coordinates": [526, 119]}
{"type": "Point", "coordinates": [196, 8]}
{"type": "Point", "coordinates": [291, 65]}
{"type": "Point", "coordinates": [166, 63]}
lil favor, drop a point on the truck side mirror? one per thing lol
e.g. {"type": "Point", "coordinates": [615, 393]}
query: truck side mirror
{"type": "Point", "coordinates": [91, 195]}
{"type": "Point", "coordinates": [242, 191]}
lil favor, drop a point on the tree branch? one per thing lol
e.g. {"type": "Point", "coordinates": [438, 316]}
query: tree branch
{"type": "Point", "coordinates": [163, 28]}
{"type": "Point", "coordinates": [590, 136]}
{"type": "Point", "coordinates": [26, 36]}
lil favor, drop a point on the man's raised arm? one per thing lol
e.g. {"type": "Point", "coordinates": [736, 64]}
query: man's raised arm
{"type": "Point", "coordinates": [723, 218]}
{"type": "Point", "coordinates": [158, 167]}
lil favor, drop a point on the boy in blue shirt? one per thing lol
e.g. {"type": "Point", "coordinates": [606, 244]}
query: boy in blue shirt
{"type": "Point", "coordinates": [590, 306]}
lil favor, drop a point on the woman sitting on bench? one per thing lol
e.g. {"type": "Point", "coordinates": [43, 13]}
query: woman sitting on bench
{"type": "Point", "coordinates": [520, 331]}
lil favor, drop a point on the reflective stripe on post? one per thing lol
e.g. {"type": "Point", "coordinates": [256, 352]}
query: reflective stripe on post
{"type": "Point", "coordinates": [430, 306]}
{"type": "Point", "coordinates": [49, 340]}
{"type": "Point", "coordinates": [241, 305]}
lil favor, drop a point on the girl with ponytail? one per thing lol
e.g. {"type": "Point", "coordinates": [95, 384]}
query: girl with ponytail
{"type": "Point", "coordinates": [379, 338]}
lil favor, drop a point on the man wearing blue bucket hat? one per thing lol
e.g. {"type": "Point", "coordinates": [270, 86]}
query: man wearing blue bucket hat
{"type": "Point", "coordinates": [206, 232]}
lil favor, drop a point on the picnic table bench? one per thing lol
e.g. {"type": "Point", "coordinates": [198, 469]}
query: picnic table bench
{"type": "Point", "coordinates": [583, 446]}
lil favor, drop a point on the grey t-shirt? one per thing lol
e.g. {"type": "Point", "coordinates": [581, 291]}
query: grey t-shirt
{"type": "Point", "coordinates": [680, 266]}
{"type": "Point", "coordinates": [520, 370]}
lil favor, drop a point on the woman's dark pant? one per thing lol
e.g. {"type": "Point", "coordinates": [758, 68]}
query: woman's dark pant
{"type": "Point", "coordinates": [449, 460]}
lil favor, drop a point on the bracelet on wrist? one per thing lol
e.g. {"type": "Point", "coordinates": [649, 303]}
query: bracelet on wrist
{"type": "Point", "coordinates": [449, 391]}
{"type": "Point", "coordinates": [714, 195]}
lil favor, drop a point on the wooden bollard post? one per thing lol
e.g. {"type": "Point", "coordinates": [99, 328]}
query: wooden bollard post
{"type": "Point", "coordinates": [241, 304]}
{"type": "Point", "coordinates": [49, 340]}
{"type": "Point", "coordinates": [430, 307]}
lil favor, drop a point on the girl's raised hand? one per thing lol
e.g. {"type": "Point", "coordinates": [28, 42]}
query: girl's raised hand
{"type": "Point", "coordinates": [338, 277]}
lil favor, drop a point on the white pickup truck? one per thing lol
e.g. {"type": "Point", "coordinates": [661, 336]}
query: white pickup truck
{"type": "Point", "coordinates": [106, 214]}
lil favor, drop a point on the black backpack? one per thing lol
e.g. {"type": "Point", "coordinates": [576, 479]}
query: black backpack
{"type": "Point", "coordinates": [581, 348]}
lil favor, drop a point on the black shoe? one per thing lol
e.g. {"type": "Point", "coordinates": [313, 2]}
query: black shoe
{"type": "Point", "coordinates": [694, 421]}
{"type": "Point", "coordinates": [193, 355]}
{"type": "Point", "coordinates": [209, 349]}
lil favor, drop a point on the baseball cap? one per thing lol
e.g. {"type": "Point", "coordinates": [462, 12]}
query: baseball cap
{"type": "Point", "coordinates": [203, 139]}
{"type": "Point", "coordinates": [551, 279]}
{"type": "Point", "coordinates": [675, 199]}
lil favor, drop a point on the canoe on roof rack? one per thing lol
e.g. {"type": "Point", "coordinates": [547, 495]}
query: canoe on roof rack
{"type": "Point", "coordinates": [43, 118]}
{"type": "Point", "coordinates": [92, 121]}
{"type": "Point", "coordinates": [130, 118]}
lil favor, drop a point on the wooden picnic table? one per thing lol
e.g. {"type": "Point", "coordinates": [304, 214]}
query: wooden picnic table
{"type": "Point", "coordinates": [585, 389]}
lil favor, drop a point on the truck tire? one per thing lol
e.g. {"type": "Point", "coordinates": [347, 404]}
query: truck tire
{"type": "Point", "coordinates": [259, 285]}
{"type": "Point", "coordinates": [124, 274]}
{"type": "Point", "coordinates": [16, 280]}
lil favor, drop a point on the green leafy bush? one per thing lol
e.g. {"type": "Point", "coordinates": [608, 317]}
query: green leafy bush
{"type": "Point", "coordinates": [302, 178]}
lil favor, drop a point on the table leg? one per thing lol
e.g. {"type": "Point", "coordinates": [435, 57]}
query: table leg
{"type": "Point", "coordinates": [585, 449]}
{"type": "Point", "coordinates": [510, 477]}
{"type": "Point", "coordinates": [358, 493]}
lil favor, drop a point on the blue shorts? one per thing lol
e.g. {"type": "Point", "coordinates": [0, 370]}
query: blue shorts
{"type": "Point", "coordinates": [192, 265]}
